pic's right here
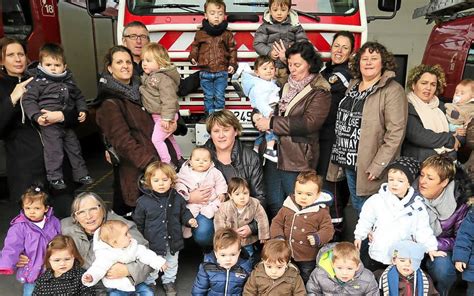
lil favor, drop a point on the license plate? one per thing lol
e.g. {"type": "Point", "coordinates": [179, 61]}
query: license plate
{"type": "Point", "coordinates": [244, 116]}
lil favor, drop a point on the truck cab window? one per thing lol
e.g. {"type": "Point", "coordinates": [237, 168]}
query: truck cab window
{"type": "Point", "coordinates": [16, 18]}
{"type": "Point", "coordinates": [469, 68]}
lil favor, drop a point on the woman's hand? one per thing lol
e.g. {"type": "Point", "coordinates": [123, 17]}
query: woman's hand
{"type": "Point", "coordinates": [263, 124]}
{"type": "Point", "coordinates": [244, 231]}
{"type": "Point", "coordinates": [50, 117]}
{"type": "Point", "coordinates": [22, 261]}
{"type": "Point", "coordinates": [460, 266]}
{"type": "Point", "coordinates": [200, 195]}
{"type": "Point", "coordinates": [118, 270]}
{"type": "Point", "coordinates": [371, 177]}
{"type": "Point", "coordinates": [82, 116]}
{"type": "Point", "coordinates": [165, 124]}
{"type": "Point", "coordinates": [172, 126]}
{"type": "Point", "coordinates": [19, 91]}
{"type": "Point", "coordinates": [461, 131]}
{"type": "Point", "coordinates": [434, 254]}
{"type": "Point", "coordinates": [357, 243]}
{"type": "Point", "coordinates": [279, 47]}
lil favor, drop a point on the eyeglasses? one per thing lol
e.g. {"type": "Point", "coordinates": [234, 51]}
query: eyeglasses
{"type": "Point", "coordinates": [135, 37]}
{"type": "Point", "coordinates": [90, 211]}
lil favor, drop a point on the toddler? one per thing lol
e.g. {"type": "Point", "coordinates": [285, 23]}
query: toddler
{"type": "Point", "coordinates": [239, 211]}
{"type": "Point", "coordinates": [63, 270]}
{"type": "Point", "coordinates": [54, 89]}
{"type": "Point", "coordinates": [199, 171]}
{"type": "Point", "coordinates": [160, 81]}
{"type": "Point", "coordinates": [340, 272]}
{"type": "Point", "coordinates": [280, 29]}
{"type": "Point", "coordinates": [263, 92]}
{"type": "Point", "coordinates": [29, 234]}
{"type": "Point", "coordinates": [405, 277]}
{"type": "Point", "coordinates": [214, 50]}
{"type": "Point", "coordinates": [304, 221]}
{"type": "Point", "coordinates": [461, 110]}
{"type": "Point", "coordinates": [160, 214]}
{"type": "Point", "coordinates": [463, 253]}
{"type": "Point", "coordinates": [275, 274]}
{"type": "Point", "coordinates": [113, 244]}
{"type": "Point", "coordinates": [223, 271]}
{"type": "Point", "coordinates": [395, 213]}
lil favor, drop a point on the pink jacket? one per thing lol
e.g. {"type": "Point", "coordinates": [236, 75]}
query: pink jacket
{"type": "Point", "coordinates": [189, 180]}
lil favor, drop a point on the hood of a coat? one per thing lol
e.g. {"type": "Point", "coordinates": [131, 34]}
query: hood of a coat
{"type": "Point", "coordinates": [170, 71]}
{"type": "Point", "coordinates": [21, 218]}
{"type": "Point", "coordinates": [322, 202]}
{"type": "Point", "coordinates": [292, 18]}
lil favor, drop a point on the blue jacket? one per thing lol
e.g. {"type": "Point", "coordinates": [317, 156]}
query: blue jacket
{"type": "Point", "coordinates": [463, 247]}
{"type": "Point", "coordinates": [213, 280]}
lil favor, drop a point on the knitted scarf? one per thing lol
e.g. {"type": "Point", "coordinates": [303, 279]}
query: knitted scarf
{"type": "Point", "coordinates": [441, 208]}
{"type": "Point", "coordinates": [431, 116]}
{"type": "Point", "coordinates": [128, 91]}
{"type": "Point", "coordinates": [214, 30]}
{"type": "Point", "coordinates": [294, 88]}
{"type": "Point", "coordinates": [390, 278]}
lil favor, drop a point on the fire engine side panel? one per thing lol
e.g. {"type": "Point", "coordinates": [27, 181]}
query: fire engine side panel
{"type": "Point", "coordinates": [448, 46]}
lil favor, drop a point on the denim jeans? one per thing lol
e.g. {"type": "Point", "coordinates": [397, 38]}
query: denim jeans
{"type": "Point", "coordinates": [470, 288]}
{"type": "Point", "coordinates": [213, 85]}
{"type": "Point", "coordinates": [442, 272]}
{"type": "Point", "coordinates": [169, 276]}
{"type": "Point", "coordinates": [204, 233]}
{"type": "Point", "coordinates": [268, 136]}
{"type": "Point", "coordinates": [357, 200]}
{"type": "Point", "coordinates": [140, 289]}
{"type": "Point", "coordinates": [306, 268]}
{"type": "Point", "coordinates": [28, 289]}
{"type": "Point", "coordinates": [278, 184]}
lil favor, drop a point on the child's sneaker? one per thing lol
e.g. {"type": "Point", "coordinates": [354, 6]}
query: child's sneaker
{"type": "Point", "coordinates": [238, 88]}
{"type": "Point", "coordinates": [170, 289]}
{"type": "Point", "coordinates": [86, 180]}
{"type": "Point", "coordinates": [58, 184]}
{"type": "Point", "coordinates": [271, 155]}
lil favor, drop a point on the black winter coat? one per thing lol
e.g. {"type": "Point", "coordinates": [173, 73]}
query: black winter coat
{"type": "Point", "coordinates": [23, 147]}
{"type": "Point", "coordinates": [160, 220]}
{"type": "Point", "coordinates": [247, 166]}
{"type": "Point", "coordinates": [420, 142]}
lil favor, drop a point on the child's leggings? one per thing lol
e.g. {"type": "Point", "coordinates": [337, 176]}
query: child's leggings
{"type": "Point", "coordinates": [158, 138]}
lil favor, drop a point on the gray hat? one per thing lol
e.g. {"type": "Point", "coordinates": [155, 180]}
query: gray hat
{"type": "Point", "coordinates": [408, 249]}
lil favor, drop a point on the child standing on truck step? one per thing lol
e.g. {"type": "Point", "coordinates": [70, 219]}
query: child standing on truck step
{"type": "Point", "coordinates": [461, 110]}
{"type": "Point", "coordinates": [160, 82]}
{"type": "Point", "coordinates": [54, 89]}
{"type": "Point", "coordinates": [214, 51]}
{"type": "Point", "coordinates": [264, 94]}
{"type": "Point", "coordinates": [280, 30]}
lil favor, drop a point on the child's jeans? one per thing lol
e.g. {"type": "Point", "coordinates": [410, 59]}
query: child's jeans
{"type": "Point", "coordinates": [213, 86]}
{"type": "Point", "coordinates": [140, 289]}
{"type": "Point", "coordinates": [28, 289]}
{"type": "Point", "coordinates": [158, 138]}
{"type": "Point", "coordinates": [470, 288]}
{"type": "Point", "coordinates": [169, 276]}
{"type": "Point", "coordinates": [268, 136]}
{"type": "Point", "coordinates": [306, 268]}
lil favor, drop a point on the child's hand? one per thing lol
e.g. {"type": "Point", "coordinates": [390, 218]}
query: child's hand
{"type": "Point", "coordinates": [164, 267]}
{"type": "Point", "coordinates": [357, 243]}
{"type": "Point", "coordinates": [221, 197]}
{"type": "Point", "coordinates": [230, 69]}
{"type": "Point", "coordinates": [82, 116]}
{"type": "Point", "coordinates": [193, 222]}
{"type": "Point", "coordinates": [311, 240]}
{"type": "Point", "coordinates": [461, 131]}
{"type": "Point", "coordinates": [165, 124]}
{"type": "Point", "coordinates": [87, 278]}
{"type": "Point", "coordinates": [433, 254]}
{"type": "Point", "coordinates": [193, 62]}
{"type": "Point", "coordinates": [460, 266]}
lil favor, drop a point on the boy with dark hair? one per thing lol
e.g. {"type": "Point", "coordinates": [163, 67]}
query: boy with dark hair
{"type": "Point", "coordinates": [214, 50]}
{"type": "Point", "coordinates": [54, 89]}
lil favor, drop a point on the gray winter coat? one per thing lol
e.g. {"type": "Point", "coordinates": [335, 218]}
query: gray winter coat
{"type": "Point", "coordinates": [269, 32]}
{"type": "Point", "coordinates": [323, 281]}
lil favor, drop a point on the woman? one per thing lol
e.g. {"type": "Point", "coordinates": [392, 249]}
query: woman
{"type": "Point", "coordinates": [24, 150]}
{"type": "Point", "coordinates": [427, 128]}
{"type": "Point", "coordinates": [370, 124]}
{"type": "Point", "coordinates": [445, 202]}
{"type": "Point", "coordinates": [89, 212]}
{"type": "Point", "coordinates": [125, 124]}
{"type": "Point", "coordinates": [233, 160]}
{"type": "Point", "coordinates": [303, 108]}
{"type": "Point", "coordinates": [338, 75]}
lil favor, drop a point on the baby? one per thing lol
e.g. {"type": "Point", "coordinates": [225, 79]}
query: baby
{"type": "Point", "coordinates": [275, 275]}
{"type": "Point", "coordinates": [112, 244]}
{"type": "Point", "coordinates": [461, 110]}
{"type": "Point", "coordinates": [263, 92]}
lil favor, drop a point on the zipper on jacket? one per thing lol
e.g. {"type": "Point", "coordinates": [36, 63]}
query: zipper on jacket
{"type": "Point", "coordinates": [226, 281]}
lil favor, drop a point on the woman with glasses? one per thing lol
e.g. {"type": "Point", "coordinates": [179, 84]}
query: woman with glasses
{"type": "Point", "coordinates": [88, 213]}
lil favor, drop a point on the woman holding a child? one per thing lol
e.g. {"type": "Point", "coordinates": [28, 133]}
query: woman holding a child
{"type": "Point", "coordinates": [370, 123]}
{"type": "Point", "coordinates": [427, 131]}
{"type": "Point", "coordinates": [302, 110]}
